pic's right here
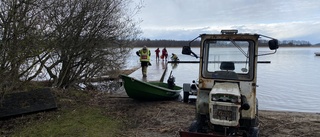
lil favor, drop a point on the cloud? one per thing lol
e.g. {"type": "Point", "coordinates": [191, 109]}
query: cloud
{"type": "Point", "coordinates": [186, 19]}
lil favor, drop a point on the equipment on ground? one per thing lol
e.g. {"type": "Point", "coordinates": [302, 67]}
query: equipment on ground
{"type": "Point", "coordinates": [171, 81]}
{"type": "Point", "coordinates": [226, 103]}
{"type": "Point", "coordinates": [189, 89]}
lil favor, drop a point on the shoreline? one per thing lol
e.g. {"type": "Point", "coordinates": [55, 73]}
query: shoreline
{"type": "Point", "coordinates": [272, 122]}
{"type": "Point", "coordinates": [167, 118]}
{"type": "Point", "coordinates": [289, 112]}
{"type": "Point", "coordinates": [144, 119]}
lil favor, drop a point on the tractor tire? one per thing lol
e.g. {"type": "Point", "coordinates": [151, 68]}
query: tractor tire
{"type": "Point", "coordinates": [253, 132]}
{"type": "Point", "coordinates": [198, 124]}
{"type": "Point", "coordinates": [194, 127]}
{"type": "Point", "coordinates": [186, 97]}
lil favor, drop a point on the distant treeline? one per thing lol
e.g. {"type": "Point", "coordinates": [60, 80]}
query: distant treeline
{"type": "Point", "coordinates": [164, 43]}
{"type": "Point", "coordinates": [180, 43]}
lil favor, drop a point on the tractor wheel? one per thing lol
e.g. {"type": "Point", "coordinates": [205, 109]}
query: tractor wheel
{"type": "Point", "coordinates": [194, 127]}
{"type": "Point", "coordinates": [186, 97]}
{"type": "Point", "coordinates": [198, 125]}
{"type": "Point", "coordinates": [253, 132]}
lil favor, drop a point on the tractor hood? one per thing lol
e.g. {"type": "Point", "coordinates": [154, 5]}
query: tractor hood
{"type": "Point", "coordinates": [226, 88]}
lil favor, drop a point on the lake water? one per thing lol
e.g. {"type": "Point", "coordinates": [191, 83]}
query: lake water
{"type": "Point", "coordinates": [291, 82]}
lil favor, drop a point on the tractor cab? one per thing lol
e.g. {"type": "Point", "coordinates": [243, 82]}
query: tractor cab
{"type": "Point", "coordinates": [226, 90]}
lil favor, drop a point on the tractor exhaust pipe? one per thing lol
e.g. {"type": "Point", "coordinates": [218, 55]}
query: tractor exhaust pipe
{"type": "Point", "coordinates": [244, 103]}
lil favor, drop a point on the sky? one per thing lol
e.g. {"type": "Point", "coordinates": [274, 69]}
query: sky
{"type": "Point", "coordinates": [186, 19]}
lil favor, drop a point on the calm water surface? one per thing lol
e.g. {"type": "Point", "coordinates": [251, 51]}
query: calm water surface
{"type": "Point", "coordinates": [290, 83]}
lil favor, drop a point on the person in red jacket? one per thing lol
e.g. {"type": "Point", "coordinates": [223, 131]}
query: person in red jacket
{"type": "Point", "coordinates": [164, 54]}
{"type": "Point", "coordinates": [157, 54]}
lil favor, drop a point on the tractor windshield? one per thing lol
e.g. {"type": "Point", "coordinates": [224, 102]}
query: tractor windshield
{"type": "Point", "coordinates": [228, 59]}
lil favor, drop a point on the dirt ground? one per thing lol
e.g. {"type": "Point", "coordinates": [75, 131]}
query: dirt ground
{"type": "Point", "coordinates": [167, 118]}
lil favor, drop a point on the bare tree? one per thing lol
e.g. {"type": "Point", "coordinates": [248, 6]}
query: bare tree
{"type": "Point", "coordinates": [89, 38]}
{"type": "Point", "coordinates": [19, 43]}
{"type": "Point", "coordinates": [69, 40]}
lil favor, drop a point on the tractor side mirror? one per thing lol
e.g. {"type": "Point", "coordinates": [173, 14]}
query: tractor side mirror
{"type": "Point", "coordinates": [273, 44]}
{"type": "Point", "coordinates": [186, 50]}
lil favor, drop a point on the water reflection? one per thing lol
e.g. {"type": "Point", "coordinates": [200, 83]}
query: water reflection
{"type": "Point", "coordinates": [158, 64]}
{"type": "Point", "coordinates": [163, 65]}
{"type": "Point", "coordinates": [174, 65]}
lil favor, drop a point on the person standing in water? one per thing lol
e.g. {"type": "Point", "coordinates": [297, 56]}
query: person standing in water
{"type": "Point", "coordinates": [174, 57]}
{"type": "Point", "coordinates": [157, 54]}
{"type": "Point", "coordinates": [144, 55]}
{"type": "Point", "coordinates": [164, 54]}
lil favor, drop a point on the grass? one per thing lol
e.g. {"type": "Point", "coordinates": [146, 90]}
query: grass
{"type": "Point", "coordinates": [75, 116]}
{"type": "Point", "coordinates": [82, 121]}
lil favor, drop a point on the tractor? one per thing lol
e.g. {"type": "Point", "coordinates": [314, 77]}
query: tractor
{"type": "Point", "coordinates": [226, 102]}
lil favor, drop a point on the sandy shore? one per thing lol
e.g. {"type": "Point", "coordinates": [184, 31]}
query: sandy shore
{"type": "Point", "coordinates": [167, 118]}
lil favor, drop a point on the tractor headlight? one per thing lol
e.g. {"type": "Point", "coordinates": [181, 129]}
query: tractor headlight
{"type": "Point", "coordinates": [214, 98]}
{"type": "Point", "coordinates": [234, 99]}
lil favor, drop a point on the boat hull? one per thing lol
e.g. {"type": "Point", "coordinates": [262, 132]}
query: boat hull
{"type": "Point", "coordinates": [151, 91]}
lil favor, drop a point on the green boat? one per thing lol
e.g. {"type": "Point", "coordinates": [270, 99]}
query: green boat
{"type": "Point", "coordinates": [151, 91]}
